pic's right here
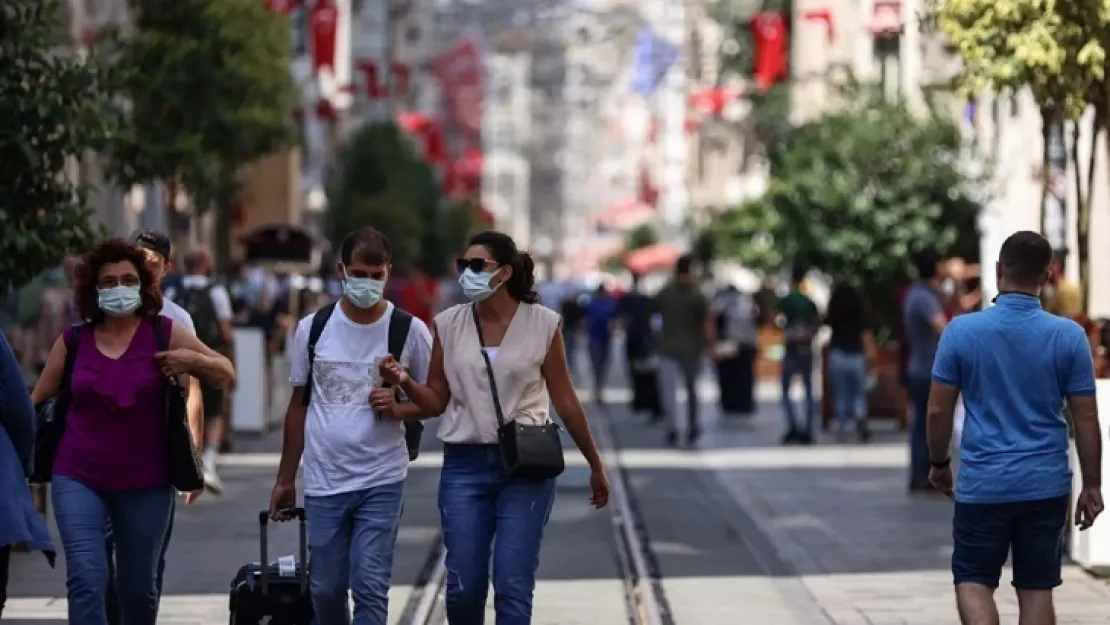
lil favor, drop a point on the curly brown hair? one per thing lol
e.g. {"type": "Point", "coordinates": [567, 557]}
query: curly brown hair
{"type": "Point", "coordinates": [88, 272]}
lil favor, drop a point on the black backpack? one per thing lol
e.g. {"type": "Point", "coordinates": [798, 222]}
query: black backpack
{"type": "Point", "coordinates": [197, 301]}
{"type": "Point", "coordinates": [399, 323]}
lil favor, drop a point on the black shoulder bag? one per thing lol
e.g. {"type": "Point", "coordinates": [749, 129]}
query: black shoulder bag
{"type": "Point", "coordinates": [532, 452]}
{"type": "Point", "coordinates": [186, 471]}
{"type": "Point", "coordinates": [50, 415]}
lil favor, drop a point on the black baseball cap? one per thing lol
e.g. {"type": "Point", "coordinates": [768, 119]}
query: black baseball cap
{"type": "Point", "coordinates": [154, 241]}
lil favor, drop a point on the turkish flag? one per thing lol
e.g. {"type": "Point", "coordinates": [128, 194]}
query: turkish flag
{"type": "Point", "coordinates": [285, 7]}
{"type": "Point", "coordinates": [324, 18]}
{"type": "Point", "coordinates": [768, 30]}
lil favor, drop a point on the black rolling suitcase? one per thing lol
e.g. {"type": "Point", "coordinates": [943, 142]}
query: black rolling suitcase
{"type": "Point", "coordinates": [262, 593]}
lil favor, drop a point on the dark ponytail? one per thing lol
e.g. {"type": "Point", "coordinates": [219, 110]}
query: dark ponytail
{"type": "Point", "coordinates": [521, 286]}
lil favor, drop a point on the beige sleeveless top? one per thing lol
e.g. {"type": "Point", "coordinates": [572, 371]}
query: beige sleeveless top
{"type": "Point", "coordinates": [470, 416]}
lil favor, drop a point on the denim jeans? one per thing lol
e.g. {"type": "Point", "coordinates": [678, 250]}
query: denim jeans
{"type": "Point", "coordinates": [351, 537]}
{"type": "Point", "coordinates": [848, 382]}
{"type": "Point", "coordinates": [139, 519]}
{"type": "Point", "coordinates": [112, 599]}
{"type": "Point", "coordinates": [919, 445]}
{"type": "Point", "coordinates": [798, 362]}
{"type": "Point", "coordinates": [486, 513]}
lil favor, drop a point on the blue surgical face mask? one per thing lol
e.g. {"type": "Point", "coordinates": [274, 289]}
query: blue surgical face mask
{"type": "Point", "coordinates": [362, 292]}
{"type": "Point", "coordinates": [476, 286]}
{"type": "Point", "coordinates": [119, 301]}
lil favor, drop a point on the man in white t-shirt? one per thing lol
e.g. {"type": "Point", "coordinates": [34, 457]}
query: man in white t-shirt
{"type": "Point", "coordinates": [355, 463]}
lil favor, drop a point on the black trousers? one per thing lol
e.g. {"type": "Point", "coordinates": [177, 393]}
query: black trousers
{"type": "Point", "coordinates": [5, 560]}
{"type": "Point", "coordinates": [736, 379]}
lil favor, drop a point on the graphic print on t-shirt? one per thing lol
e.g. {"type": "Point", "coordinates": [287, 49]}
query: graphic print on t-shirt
{"type": "Point", "coordinates": [344, 383]}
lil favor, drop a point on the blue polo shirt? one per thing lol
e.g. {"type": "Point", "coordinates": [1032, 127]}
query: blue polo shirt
{"type": "Point", "coordinates": [1014, 364]}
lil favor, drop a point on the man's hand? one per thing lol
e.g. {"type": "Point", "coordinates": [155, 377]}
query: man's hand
{"type": "Point", "coordinates": [282, 497]}
{"type": "Point", "coordinates": [177, 361]}
{"type": "Point", "coordinates": [599, 488]}
{"type": "Point", "coordinates": [193, 496]}
{"type": "Point", "coordinates": [941, 479]}
{"type": "Point", "coordinates": [1088, 507]}
{"type": "Point", "coordinates": [384, 402]}
{"type": "Point", "coordinates": [392, 372]}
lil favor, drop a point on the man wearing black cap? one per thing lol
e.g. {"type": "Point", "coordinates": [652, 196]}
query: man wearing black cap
{"type": "Point", "coordinates": [156, 248]}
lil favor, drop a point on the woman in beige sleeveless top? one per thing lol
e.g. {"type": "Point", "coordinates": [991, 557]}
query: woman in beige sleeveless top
{"type": "Point", "coordinates": [477, 500]}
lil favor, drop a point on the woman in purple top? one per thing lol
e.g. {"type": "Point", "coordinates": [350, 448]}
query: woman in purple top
{"type": "Point", "coordinates": [112, 465]}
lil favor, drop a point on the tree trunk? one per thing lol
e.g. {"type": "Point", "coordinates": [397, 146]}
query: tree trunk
{"type": "Point", "coordinates": [1084, 192]}
{"type": "Point", "coordinates": [1047, 119]}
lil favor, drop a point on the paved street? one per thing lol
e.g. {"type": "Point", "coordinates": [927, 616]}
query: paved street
{"type": "Point", "coordinates": [785, 536]}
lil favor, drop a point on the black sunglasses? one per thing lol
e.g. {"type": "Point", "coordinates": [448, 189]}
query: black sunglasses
{"type": "Point", "coordinates": [474, 264]}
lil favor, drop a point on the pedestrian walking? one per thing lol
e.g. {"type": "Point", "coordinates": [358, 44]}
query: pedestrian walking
{"type": "Point", "coordinates": [849, 345]}
{"type": "Point", "coordinates": [112, 462]}
{"type": "Point", "coordinates": [634, 311]}
{"type": "Point", "coordinates": [497, 360]}
{"type": "Point", "coordinates": [1015, 365]}
{"type": "Point", "coordinates": [923, 320]}
{"type": "Point", "coordinates": [687, 334]}
{"type": "Point", "coordinates": [20, 523]}
{"type": "Point", "coordinates": [355, 463]}
{"type": "Point", "coordinates": [209, 304]}
{"type": "Point", "coordinates": [601, 313]}
{"type": "Point", "coordinates": [735, 316]}
{"type": "Point", "coordinates": [800, 324]}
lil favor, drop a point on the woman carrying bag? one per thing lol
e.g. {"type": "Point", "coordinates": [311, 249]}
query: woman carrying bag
{"type": "Point", "coordinates": [497, 364]}
{"type": "Point", "coordinates": [113, 463]}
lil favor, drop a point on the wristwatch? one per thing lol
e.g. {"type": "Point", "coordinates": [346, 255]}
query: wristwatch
{"type": "Point", "coordinates": [942, 464]}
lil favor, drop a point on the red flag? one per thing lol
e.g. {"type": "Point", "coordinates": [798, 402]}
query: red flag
{"type": "Point", "coordinates": [324, 18]}
{"type": "Point", "coordinates": [769, 35]}
{"type": "Point", "coordinates": [459, 72]}
{"type": "Point", "coordinates": [285, 7]}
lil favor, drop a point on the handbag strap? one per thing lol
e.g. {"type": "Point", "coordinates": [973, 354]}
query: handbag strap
{"type": "Point", "coordinates": [489, 366]}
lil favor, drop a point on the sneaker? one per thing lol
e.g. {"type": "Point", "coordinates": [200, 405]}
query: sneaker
{"type": "Point", "coordinates": [692, 438]}
{"type": "Point", "coordinates": [805, 438]}
{"type": "Point", "coordinates": [863, 430]}
{"type": "Point", "coordinates": [672, 438]}
{"type": "Point", "coordinates": [212, 481]}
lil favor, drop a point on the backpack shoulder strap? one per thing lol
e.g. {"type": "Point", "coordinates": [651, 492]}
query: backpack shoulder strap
{"type": "Point", "coordinates": [319, 320]}
{"type": "Point", "coordinates": [160, 334]}
{"type": "Point", "coordinates": [73, 342]}
{"type": "Point", "coordinates": [399, 323]}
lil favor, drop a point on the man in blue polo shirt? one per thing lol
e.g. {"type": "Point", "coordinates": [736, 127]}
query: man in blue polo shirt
{"type": "Point", "coordinates": [1015, 365]}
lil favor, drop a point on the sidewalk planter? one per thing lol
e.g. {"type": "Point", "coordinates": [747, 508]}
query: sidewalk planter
{"type": "Point", "coordinates": [1091, 549]}
{"type": "Point", "coordinates": [887, 400]}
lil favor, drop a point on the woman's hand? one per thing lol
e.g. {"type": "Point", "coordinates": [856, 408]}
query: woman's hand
{"type": "Point", "coordinates": [384, 402]}
{"type": "Point", "coordinates": [599, 488]}
{"type": "Point", "coordinates": [392, 372]}
{"type": "Point", "coordinates": [177, 361]}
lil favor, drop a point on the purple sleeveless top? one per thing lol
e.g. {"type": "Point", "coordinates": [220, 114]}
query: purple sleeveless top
{"type": "Point", "coordinates": [115, 435]}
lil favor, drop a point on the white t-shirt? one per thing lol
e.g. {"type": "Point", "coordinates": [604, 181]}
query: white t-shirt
{"type": "Point", "coordinates": [221, 299]}
{"type": "Point", "coordinates": [346, 447]}
{"type": "Point", "coordinates": [179, 315]}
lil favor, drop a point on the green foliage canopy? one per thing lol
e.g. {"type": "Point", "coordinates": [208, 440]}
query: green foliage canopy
{"type": "Point", "coordinates": [856, 193]}
{"type": "Point", "coordinates": [54, 109]}
{"type": "Point", "coordinates": [384, 183]}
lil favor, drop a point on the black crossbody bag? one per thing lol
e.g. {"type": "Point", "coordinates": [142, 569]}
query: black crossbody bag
{"type": "Point", "coordinates": [186, 470]}
{"type": "Point", "coordinates": [532, 452]}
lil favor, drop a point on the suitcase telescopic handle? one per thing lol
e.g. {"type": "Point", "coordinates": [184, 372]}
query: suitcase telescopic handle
{"type": "Point", "coordinates": [264, 547]}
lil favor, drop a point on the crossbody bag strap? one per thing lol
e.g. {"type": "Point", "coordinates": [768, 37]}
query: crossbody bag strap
{"type": "Point", "coordinates": [489, 366]}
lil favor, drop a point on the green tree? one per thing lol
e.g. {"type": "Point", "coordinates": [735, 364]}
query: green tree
{"type": "Point", "coordinates": [54, 109]}
{"type": "Point", "coordinates": [1055, 48]}
{"type": "Point", "coordinates": [384, 183]}
{"type": "Point", "coordinates": [640, 237]}
{"type": "Point", "coordinates": [856, 193]}
{"type": "Point", "coordinates": [208, 91]}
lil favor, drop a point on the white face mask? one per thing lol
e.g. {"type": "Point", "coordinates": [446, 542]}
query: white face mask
{"type": "Point", "coordinates": [362, 292]}
{"type": "Point", "coordinates": [476, 286]}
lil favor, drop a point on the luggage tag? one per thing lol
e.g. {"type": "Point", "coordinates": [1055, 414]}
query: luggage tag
{"type": "Point", "coordinates": [287, 566]}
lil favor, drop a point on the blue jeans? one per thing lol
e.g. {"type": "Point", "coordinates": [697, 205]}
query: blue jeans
{"type": "Point", "coordinates": [919, 445]}
{"type": "Point", "coordinates": [848, 382]}
{"type": "Point", "coordinates": [478, 503]}
{"type": "Point", "coordinates": [351, 537]}
{"type": "Point", "coordinates": [112, 598]}
{"type": "Point", "coordinates": [139, 519]}
{"type": "Point", "coordinates": [796, 362]}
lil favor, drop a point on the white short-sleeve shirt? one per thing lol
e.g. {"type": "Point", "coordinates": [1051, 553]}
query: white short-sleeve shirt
{"type": "Point", "coordinates": [346, 447]}
{"type": "Point", "coordinates": [179, 315]}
